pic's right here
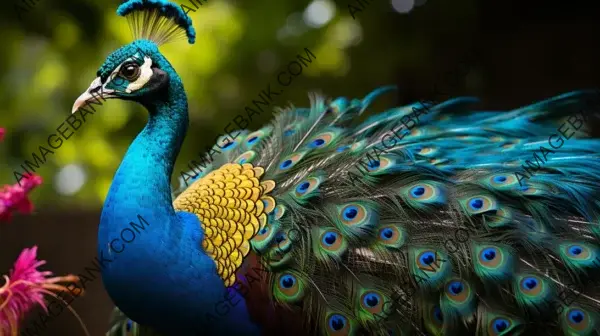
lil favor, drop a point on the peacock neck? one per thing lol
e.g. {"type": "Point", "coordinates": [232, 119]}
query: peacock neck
{"type": "Point", "coordinates": [141, 185]}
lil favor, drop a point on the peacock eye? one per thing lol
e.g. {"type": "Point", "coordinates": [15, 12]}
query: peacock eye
{"type": "Point", "coordinates": [130, 71]}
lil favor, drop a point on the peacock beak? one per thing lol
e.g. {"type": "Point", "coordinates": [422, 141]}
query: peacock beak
{"type": "Point", "coordinates": [94, 92]}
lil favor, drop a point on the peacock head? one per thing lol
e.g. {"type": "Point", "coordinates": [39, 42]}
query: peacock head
{"type": "Point", "coordinates": [138, 71]}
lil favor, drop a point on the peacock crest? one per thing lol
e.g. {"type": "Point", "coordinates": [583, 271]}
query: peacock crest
{"type": "Point", "coordinates": [159, 21]}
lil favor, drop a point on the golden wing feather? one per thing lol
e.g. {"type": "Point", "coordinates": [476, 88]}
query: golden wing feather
{"type": "Point", "coordinates": [232, 204]}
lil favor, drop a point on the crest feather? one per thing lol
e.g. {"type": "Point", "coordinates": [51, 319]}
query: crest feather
{"type": "Point", "coordinates": [159, 21]}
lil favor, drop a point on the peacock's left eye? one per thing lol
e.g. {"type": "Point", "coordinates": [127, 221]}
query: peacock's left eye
{"type": "Point", "coordinates": [130, 71]}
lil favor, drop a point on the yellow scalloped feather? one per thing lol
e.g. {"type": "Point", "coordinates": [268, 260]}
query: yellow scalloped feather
{"type": "Point", "coordinates": [232, 204]}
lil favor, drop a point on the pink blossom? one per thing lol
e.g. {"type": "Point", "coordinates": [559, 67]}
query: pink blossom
{"type": "Point", "coordinates": [26, 287]}
{"type": "Point", "coordinates": [14, 197]}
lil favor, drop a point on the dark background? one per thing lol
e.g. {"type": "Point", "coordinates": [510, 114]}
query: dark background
{"type": "Point", "coordinates": [523, 51]}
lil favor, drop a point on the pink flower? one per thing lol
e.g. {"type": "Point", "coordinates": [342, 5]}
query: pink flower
{"type": "Point", "coordinates": [14, 197]}
{"type": "Point", "coordinates": [26, 287]}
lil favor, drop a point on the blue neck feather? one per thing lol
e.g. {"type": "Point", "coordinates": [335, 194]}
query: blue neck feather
{"type": "Point", "coordinates": [162, 278]}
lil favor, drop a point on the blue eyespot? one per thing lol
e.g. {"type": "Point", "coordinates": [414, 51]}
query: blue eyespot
{"type": "Point", "coordinates": [576, 316]}
{"type": "Point", "coordinates": [337, 322]}
{"type": "Point", "coordinates": [456, 287]}
{"type": "Point", "coordinates": [489, 254]}
{"type": "Point", "coordinates": [242, 161]}
{"type": "Point", "coordinates": [530, 283]}
{"type": "Point", "coordinates": [302, 187]}
{"type": "Point", "coordinates": [287, 281]}
{"type": "Point", "coordinates": [500, 325]}
{"type": "Point", "coordinates": [387, 233]}
{"type": "Point", "coordinates": [280, 237]}
{"type": "Point", "coordinates": [437, 313]}
{"type": "Point", "coordinates": [288, 132]}
{"type": "Point", "coordinates": [263, 231]}
{"type": "Point", "coordinates": [342, 148]}
{"type": "Point", "coordinates": [427, 258]}
{"type": "Point", "coordinates": [417, 191]}
{"type": "Point", "coordinates": [476, 203]}
{"type": "Point", "coordinates": [229, 144]}
{"type": "Point", "coordinates": [317, 143]}
{"type": "Point", "coordinates": [371, 300]}
{"type": "Point", "coordinates": [374, 164]}
{"type": "Point", "coordinates": [575, 250]}
{"type": "Point", "coordinates": [499, 179]}
{"type": "Point", "coordinates": [252, 140]}
{"type": "Point", "coordinates": [350, 213]}
{"type": "Point", "coordinates": [330, 238]}
{"type": "Point", "coordinates": [129, 325]}
{"type": "Point", "coordinates": [285, 164]}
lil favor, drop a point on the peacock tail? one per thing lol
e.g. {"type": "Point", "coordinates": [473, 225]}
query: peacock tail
{"type": "Point", "coordinates": [433, 218]}
{"type": "Point", "coordinates": [415, 221]}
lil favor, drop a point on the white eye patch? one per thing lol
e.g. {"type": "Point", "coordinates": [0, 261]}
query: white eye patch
{"type": "Point", "coordinates": [145, 74]}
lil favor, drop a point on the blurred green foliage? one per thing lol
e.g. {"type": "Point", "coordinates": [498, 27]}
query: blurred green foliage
{"type": "Point", "coordinates": [52, 55]}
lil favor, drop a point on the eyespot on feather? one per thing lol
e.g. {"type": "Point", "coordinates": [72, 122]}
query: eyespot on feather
{"type": "Point", "coordinates": [226, 144]}
{"type": "Point", "coordinates": [290, 130]}
{"type": "Point", "coordinates": [269, 204]}
{"type": "Point", "coordinates": [264, 236]}
{"type": "Point", "coordinates": [421, 194]}
{"type": "Point", "coordinates": [337, 324]}
{"type": "Point", "coordinates": [457, 291]}
{"type": "Point", "coordinates": [321, 141]}
{"type": "Point", "coordinates": [290, 161]}
{"type": "Point", "coordinates": [436, 316]}
{"type": "Point", "coordinates": [288, 287]}
{"type": "Point", "coordinates": [479, 204]}
{"type": "Point", "coordinates": [498, 326]}
{"type": "Point", "coordinates": [358, 146]}
{"type": "Point", "coordinates": [262, 233]}
{"type": "Point", "coordinates": [503, 216]}
{"type": "Point", "coordinates": [331, 240]}
{"type": "Point", "coordinates": [256, 137]}
{"type": "Point", "coordinates": [246, 157]}
{"type": "Point", "coordinates": [306, 188]}
{"type": "Point", "coordinates": [391, 236]}
{"type": "Point", "coordinates": [430, 267]}
{"type": "Point", "coordinates": [579, 255]}
{"type": "Point", "coordinates": [531, 285]}
{"type": "Point", "coordinates": [490, 257]}
{"type": "Point", "coordinates": [427, 151]}
{"type": "Point", "coordinates": [502, 181]}
{"type": "Point", "coordinates": [282, 241]}
{"type": "Point", "coordinates": [352, 214]}
{"type": "Point", "coordinates": [425, 260]}
{"type": "Point", "coordinates": [372, 302]}
{"type": "Point", "coordinates": [343, 148]}
{"type": "Point", "coordinates": [492, 262]}
{"type": "Point", "coordinates": [380, 166]}
{"type": "Point", "coordinates": [278, 212]}
{"type": "Point", "coordinates": [577, 319]}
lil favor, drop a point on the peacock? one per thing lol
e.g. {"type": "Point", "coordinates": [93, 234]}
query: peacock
{"type": "Point", "coordinates": [427, 219]}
